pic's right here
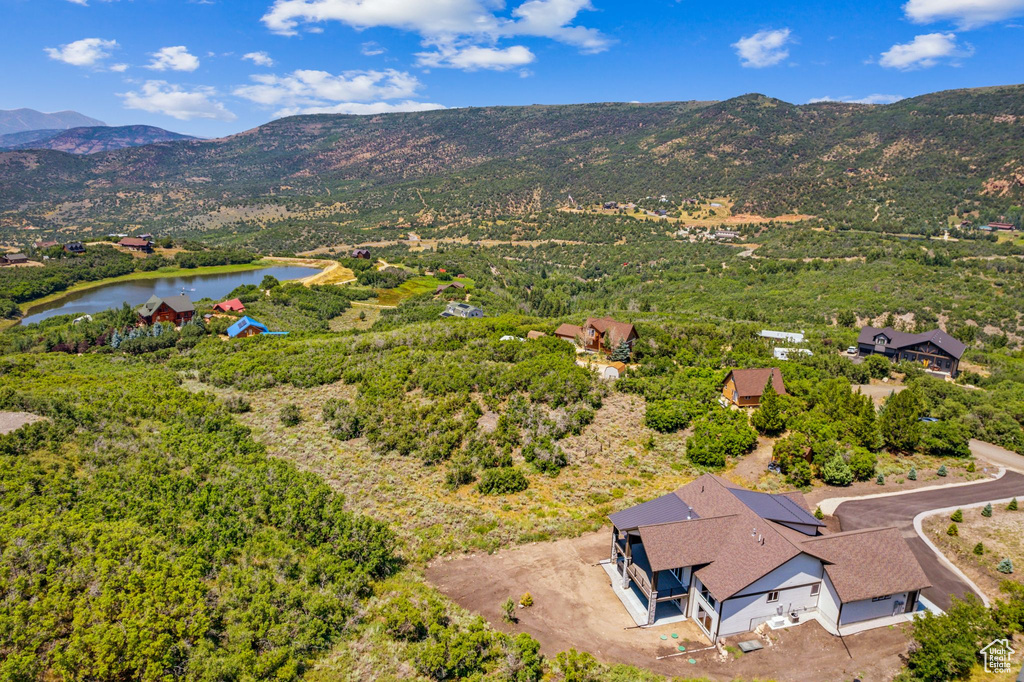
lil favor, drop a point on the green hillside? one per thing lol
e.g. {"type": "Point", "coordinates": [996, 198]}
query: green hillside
{"type": "Point", "coordinates": [908, 166]}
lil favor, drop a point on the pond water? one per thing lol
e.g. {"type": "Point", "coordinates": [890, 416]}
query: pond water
{"type": "Point", "coordinates": [138, 291]}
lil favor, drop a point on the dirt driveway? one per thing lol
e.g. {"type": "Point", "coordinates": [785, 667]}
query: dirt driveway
{"type": "Point", "coordinates": [575, 607]}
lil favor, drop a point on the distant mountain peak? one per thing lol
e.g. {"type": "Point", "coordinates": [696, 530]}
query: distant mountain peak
{"type": "Point", "coordinates": [90, 139]}
{"type": "Point", "coordinates": [22, 120]}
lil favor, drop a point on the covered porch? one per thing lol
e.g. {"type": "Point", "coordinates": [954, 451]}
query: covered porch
{"type": "Point", "coordinates": [651, 597]}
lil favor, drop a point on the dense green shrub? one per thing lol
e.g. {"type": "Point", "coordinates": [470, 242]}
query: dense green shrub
{"type": "Point", "coordinates": [502, 481]}
{"type": "Point", "coordinates": [837, 472]}
{"type": "Point", "coordinates": [667, 416]}
{"type": "Point", "coordinates": [722, 433]}
{"type": "Point", "coordinates": [945, 439]}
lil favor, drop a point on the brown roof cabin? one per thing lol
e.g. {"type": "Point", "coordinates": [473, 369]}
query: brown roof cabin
{"type": "Point", "coordinates": [13, 259]}
{"type": "Point", "coordinates": [45, 244]}
{"type": "Point", "coordinates": [361, 253]}
{"type": "Point", "coordinates": [450, 285]}
{"type": "Point", "coordinates": [533, 334]}
{"type": "Point", "coordinates": [136, 244]}
{"type": "Point", "coordinates": [744, 387]}
{"type": "Point", "coordinates": [1002, 226]}
{"type": "Point", "coordinates": [176, 309]}
{"type": "Point", "coordinates": [598, 334]}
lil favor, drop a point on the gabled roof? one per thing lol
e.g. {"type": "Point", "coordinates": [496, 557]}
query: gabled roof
{"type": "Point", "coordinates": [612, 330]}
{"type": "Point", "coordinates": [735, 537]}
{"type": "Point", "coordinates": [665, 509]}
{"type": "Point", "coordinates": [751, 382]}
{"type": "Point", "coordinates": [133, 241]}
{"type": "Point", "coordinates": [243, 323]}
{"type": "Point", "coordinates": [868, 563]}
{"type": "Point", "coordinates": [792, 337]}
{"type": "Point", "coordinates": [898, 339]}
{"type": "Point", "coordinates": [233, 304]}
{"type": "Point", "coordinates": [569, 330]}
{"type": "Point", "coordinates": [179, 303]}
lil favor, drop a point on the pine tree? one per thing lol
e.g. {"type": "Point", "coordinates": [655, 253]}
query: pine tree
{"type": "Point", "coordinates": [942, 471]}
{"type": "Point", "coordinates": [901, 432]}
{"type": "Point", "coordinates": [953, 531]}
{"type": "Point", "coordinates": [979, 549]}
{"type": "Point", "coordinates": [1005, 566]}
{"type": "Point", "coordinates": [912, 474]}
{"type": "Point", "coordinates": [768, 417]}
{"type": "Point", "coordinates": [1012, 506]}
{"type": "Point", "coordinates": [987, 511]}
{"type": "Point", "coordinates": [622, 352]}
{"type": "Point", "coordinates": [818, 514]}
{"type": "Point", "coordinates": [957, 516]}
{"type": "Point", "coordinates": [880, 480]}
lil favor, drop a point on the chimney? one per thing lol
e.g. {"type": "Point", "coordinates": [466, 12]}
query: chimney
{"type": "Point", "coordinates": [760, 539]}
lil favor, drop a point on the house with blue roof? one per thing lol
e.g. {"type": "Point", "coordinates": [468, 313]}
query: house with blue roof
{"type": "Point", "coordinates": [245, 327]}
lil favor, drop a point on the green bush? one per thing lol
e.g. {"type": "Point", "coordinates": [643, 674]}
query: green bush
{"type": "Point", "coordinates": [723, 433]}
{"type": "Point", "coordinates": [508, 610]}
{"type": "Point", "coordinates": [979, 549]}
{"type": "Point", "coordinates": [946, 439]}
{"type": "Point", "coordinates": [898, 423]}
{"type": "Point", "coordinates": [880, 479]}
{"type": "Point", "coordinates": [957, 516]}
{"type": "Point", "coordinates": [942, 471]}
{"type": "Point", "coordinates": [837, 472]}
{"type": "Point", "coordinates": [290, 415]}
{"type": "Point", "coordinates": [768, 418]}
{"type": "Point", "coordinates": [878, 366]}
{"type": "Point", "coordinates": [863, 463]}
{"type": "Point", "coordinates": [1005, 566]}
{"type": "Point", "coordinates": [459, 473]}
{"type": "Point", "coordinates": [953, 530]}
{"type": "Point", "coordinates": [1012, 506]}
{"type": "Point", "coordinates": [818, 514]}
{"type": "Point", "coordinates": [666, 416]}
{"type": "Point", "coordinates": [987, 510]}
{"type": "Point", "coordinates": [800, 473]}
{"type": "Point", "coordinates": [546, 455]}
{"type": "Point", "coordinates": [502, 481]}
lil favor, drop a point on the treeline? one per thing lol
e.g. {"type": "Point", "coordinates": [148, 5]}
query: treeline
{"type": "Point", "coordinates": [28, 283]}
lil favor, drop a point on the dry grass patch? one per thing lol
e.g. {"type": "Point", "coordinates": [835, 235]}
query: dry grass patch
{"type": "Point", "coordinates": [1002, 536]}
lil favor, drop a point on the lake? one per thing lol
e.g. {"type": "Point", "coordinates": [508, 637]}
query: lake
{"type": "Point", "coordinates": [136, 292]}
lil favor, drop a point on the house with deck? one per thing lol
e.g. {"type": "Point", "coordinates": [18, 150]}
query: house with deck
{"type": "Point", "coordinates": [74, 248]}
{"type": "Point", "coordinates": [744, 387]}
{"type": "Point", "coordinates": [731, 559]}
{"type": "Point", "coordinates": [599, 334]}
{"type": "Point", "coordinates": [136, 244]}
{"type": "Point", "coordinates": [935, 350]}
{"type": "Point", "coordinates": [245, 327]}
{"type": "Point", "coordinates": [175, 309]}
{"type": "Point", "coordinates": [13, 259]}
{"type": "Point", "coordinates": [455, 309]}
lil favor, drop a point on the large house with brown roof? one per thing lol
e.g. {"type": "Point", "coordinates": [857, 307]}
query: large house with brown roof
{"type": "Point", "coordinates": [599, 334]}
{"type": "Point", "coordinates": [934, 350]}
{"type": "Point", "coordinates": [176, 309]}
{"type": "Point", "coordinates": [136, 244]}
{"type": "Point", "coordinates": [744, 387]}
{"type": "Point", "coordinates": [732, 559]}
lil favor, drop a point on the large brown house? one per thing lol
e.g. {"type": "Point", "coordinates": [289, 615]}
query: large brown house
{"type": "Point", "coordinates": [744, 387]}
{"type": "Point", "coordinates": [177, 309]}
{"type": "Point", "coordinates": [599, 334]}
{"type": "Point", "coordinates": [934, 350]}
{"type": "Point", "coordinates": [136, 244]}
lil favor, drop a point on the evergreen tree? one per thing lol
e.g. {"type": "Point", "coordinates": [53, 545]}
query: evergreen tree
{"type": "Point", "coordinates": [953, 530]}
{"type": "Point", "coordinates": [818, 514]}
{"type": "Point", "coordinates": [622, 352]}
{"type": "Point", "coordinates": [912, 474]}
{"type": "Point", "coordinates": [987, 511]}
{"type": "Point", "coordinates": [864, 426]}
{"type": "Point", "coordinates": [957, 516]}
{"type": "Point", "coordinates": [942, 471]}
{"type": "Point", "coordinates": [901, 432]}
{"type": "Point", "coordinates": [1012, 506]}
{"type": "Point", "coordinates": [1005, 566]}
{"type": "Point", "coordinates": [979, 549]}
{"type": "Point", "coordinates": [837, 472]}
{"type": "Point", "coordinates": [880, 480]}
{"type": "Point", "coordinates": [768, 417]}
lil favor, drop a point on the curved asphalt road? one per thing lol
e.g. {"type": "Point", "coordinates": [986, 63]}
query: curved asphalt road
{"type": "Point", "coordinates": [900, 510]}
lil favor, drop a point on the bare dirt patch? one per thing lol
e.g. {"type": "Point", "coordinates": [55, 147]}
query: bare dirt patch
{"type": "Point", "coordinates": [574, 606]}
{"type": "Point", "coordinates": [11, 421]}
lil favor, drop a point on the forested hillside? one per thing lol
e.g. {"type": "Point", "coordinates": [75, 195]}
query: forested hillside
{"type": "Point", "coordinates": [908, 166]}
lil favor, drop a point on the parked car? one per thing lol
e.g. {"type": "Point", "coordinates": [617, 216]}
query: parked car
{"type": "Point", "coordinates": [852, 350]}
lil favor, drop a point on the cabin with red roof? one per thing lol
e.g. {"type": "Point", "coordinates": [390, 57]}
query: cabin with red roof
{"type": "Point", "coordinates": [233, 306]}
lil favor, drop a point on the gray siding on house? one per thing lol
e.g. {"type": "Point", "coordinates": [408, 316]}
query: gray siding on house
{"type": "Point", "coordinates": [856, 611]}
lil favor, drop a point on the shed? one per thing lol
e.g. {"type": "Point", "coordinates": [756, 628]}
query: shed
{"type": "Point", "coordinates": [613, 370]}
{"type": "Point", "coordinates": [246, 327]}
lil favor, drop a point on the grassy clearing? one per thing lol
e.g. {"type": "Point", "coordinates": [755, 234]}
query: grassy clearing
{"type": "Point", "coordinates": [414, 287]}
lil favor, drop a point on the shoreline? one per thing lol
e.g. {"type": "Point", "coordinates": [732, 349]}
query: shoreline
{"type": "Point", "coordinates": [29, 307]}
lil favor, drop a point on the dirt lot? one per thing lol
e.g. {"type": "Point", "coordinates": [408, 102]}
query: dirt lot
{"type": "Point", "coordinates": [878, 391]}
{"type": "Point", "coordinates": [1002, 536]}
{"type": "Point", "coordinates": [574, 606]}
{"type": "Point", "coordinates": [9, 421]}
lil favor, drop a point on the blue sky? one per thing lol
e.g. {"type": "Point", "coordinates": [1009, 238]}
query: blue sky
{"type": "Point", "coordinates": [214, 67]}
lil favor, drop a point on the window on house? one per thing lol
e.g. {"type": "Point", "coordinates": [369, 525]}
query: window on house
{"type": "Point", "coordinates": [773, 596]}
{"type": "Point", "coordinates": [815, 589]}
{"type": "Point", "coordinates": [707, 596]}
{"type": "Point", "coordinates": [888, 596]}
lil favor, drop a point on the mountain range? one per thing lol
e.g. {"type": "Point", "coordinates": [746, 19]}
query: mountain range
{"type": "Point", "coordinates": [89, 140]}
{"type": "Point", "coordinates": [902, 166]}
{"type": "Point", "coordinates": [21, 120]}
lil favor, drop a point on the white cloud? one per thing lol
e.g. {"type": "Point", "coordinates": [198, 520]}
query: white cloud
{"type": "Point", "coordinates": [924, 51]}
{"type": "Point", "coordinates": [85, 52]}
{"type": "Point", "coordinates": [372, 49]}
{"type": "Point", "coordinates": [310, 91]}
{"type": "Point", "coordinates": [869, 99]}
{"type": "Point", "coordinates": [119, 68]}
{"type": "Point", "coordinates": [259, 58]}
{"type": "Point", "coordinates": [764, 48]}
{"type": "Point", "coordinates": [964, 13]}
{"type": "Point", "coordinates": [445, 22]}
{"type": "Point", "coordinates": [161, 97]}
{"type": "Point", "coordinates": [474, 57]}
{"type": "Point", "coordinates": [363, 108]}
{"type": "Point", "coordinates": [175, 58]}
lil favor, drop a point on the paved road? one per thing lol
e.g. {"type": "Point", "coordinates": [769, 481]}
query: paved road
{"type": "Point", "coordinates": [997, 455]}
{"type": "Point", "coordinates": [900, 510]}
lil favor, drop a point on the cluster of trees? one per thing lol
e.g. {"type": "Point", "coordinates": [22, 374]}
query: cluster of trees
{"type": "Point", "coordinates": [147, 536]}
